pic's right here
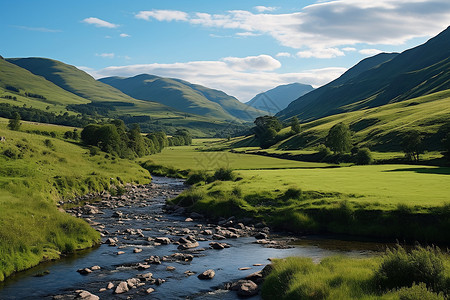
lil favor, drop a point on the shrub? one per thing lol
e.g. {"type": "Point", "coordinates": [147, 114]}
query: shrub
{"type": "Point", "coordinates": [364, 157]}
{"type": "Point", "coordinates": [292, 193]}
{"type": "Point", "coordinates": [48, 143]}
{"type": "Point", "coordinates": [402, 269]}
{"type": "Point", "coordinates": [94, 150]}
{"type": "Point", "coordinates": [12, 153]}
{"type": "Point", "coordinates": [224, 174]}
{"type": "Point", "coordinates": [197, 176]}
{"type": "Point", "coordinates": [323, 151]}
{"type": "Point", "coordinates": [418, 291]}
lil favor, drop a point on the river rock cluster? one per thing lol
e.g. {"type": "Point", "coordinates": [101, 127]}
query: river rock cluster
{"type": "Point", "coordinates": [109, 215]}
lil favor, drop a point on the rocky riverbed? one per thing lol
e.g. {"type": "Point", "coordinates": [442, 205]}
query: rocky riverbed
{"type": "Point", "coordinates": [153, 251]}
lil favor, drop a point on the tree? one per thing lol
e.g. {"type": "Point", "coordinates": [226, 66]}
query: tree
{"type": "Point", "coordinates": [14, 123]}
{"type": "Point", "coordinates": [295, 125]}
{"type": "Point", "coordinates": [266, 130]}
{"type": "Point", "coordinates": [412, 145]}
{"type": "Point", "coordinates": [339, 138]}
{"type": "Point", "coordinates": [364, 157]}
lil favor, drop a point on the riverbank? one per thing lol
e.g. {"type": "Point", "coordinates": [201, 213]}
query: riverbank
{"type": "Point", "coordinates": [36, 173]}
{"type": "Point", "coordinates": [140, 236]}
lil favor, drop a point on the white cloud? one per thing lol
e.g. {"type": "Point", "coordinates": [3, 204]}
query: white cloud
{"type": "Point", "coordinates": [333, 23]}
{"type": "Point", "coordinates": [283, 54]}
{"type": "Point", "coordinates": [163, 15]}
{"type": "Point", "coordinates": [124, 35]}
{"type": "Point", "coordinates": [261, 8]}
{"type": "Point", "coordinates": [370, 51]}
{"type": "Point", "coordinates": [321, 53]}
{"type": "Point", "coordinates": [220, 75]}
{"type": "Point", "coordinates": [348, 49]}
{"type": "Point", "coordinates": [106, 55]}
{"type": "Point", "coordinates": [260, 62]}
{"type": "Point", "coordinates": [247, 33]}
{"type": "Point", "coordinates": [99, 23]}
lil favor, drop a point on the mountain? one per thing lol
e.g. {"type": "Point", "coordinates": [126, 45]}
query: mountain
{"type": "Point", "coordinates": [379, 80]}
{"type": "Point", "coordinates": [279, 97]}
{"type": "Point", "coordinates": [184, 96]}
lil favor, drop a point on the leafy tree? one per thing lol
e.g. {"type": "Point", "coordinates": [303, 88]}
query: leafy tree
{"type": "Point", "coordinates": [364, 157]}
{"type": "Point", "coordinates": [14, 123]}
{"type": "Point", "coordinates": [295, 125]}
{"type": "Point", "coordinates": [266, 130]}
{"type": "Point", "coordinates": [412, 145]}
{"type": "Point", "coordinates": [339, 138]}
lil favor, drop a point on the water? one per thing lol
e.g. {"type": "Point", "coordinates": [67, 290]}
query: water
{"type": "Point", "coordinates": [63, 278]}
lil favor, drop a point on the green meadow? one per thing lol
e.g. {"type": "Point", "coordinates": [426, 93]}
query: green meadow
{"type": "Point", "coordinates": [35, 172]}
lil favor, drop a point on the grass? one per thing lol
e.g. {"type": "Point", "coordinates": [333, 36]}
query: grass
{"type": "Point", "coordinates": [38, 172]}
{"type": "Point", "coordinates": [381, 127]}
{"type": "Point", "coordinates": [375, 200]}
{"type": "Point", "coordinates": [342, 277]}
{"type": "Point", "coordinates": [186, 157]}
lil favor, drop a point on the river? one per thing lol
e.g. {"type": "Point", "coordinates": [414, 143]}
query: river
{"type": "Point", "coordinates": [149, 216]}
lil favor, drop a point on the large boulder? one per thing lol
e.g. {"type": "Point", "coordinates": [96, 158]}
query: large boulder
{"type": "Point", "coordinates": [245, 288]}
{"type": "Point", "coordinates": [121, 288]}
{"type": "Point", "coordinates": [85, 295]}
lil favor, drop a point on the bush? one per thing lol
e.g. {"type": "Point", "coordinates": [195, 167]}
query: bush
{"type": "Point", "coordinates": [94, 151]}
{"type": "Point", "coordinates": [292, 193]}
{"type": "Point", "coordinates": [402, 269]}
{"type": "Point", "coordinates": [197, 176]}
{"type": "Point", "coordinates": [224, 174]}
{"type": "Point", "coordinates": [418, 291]}
{"type": "Point", "coordinates": [364, 157]}
{"type": "Point", "coordinates": [323, 151]}
{"type": "Point", "coordinates": [12, 153]}
{"type": "Point", "coordinates": [48, 143]}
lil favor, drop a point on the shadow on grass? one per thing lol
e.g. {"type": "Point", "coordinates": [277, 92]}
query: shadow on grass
{"type": "Point", "coordinates": [438, 170]}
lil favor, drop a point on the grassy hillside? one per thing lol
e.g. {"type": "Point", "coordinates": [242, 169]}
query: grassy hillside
{"type": "Point", "coordinates": [82, 84]}
{"type": "Point", "coordinates": [382, 128]}
{"type": "Point", "coordinates": [415, 72]}
{"type": "Point", "coordinates": [37, 171]}
{"type": "Point", "coordinates": [12, 76]}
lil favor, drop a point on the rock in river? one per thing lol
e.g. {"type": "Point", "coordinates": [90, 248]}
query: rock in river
{"type": "Point", "coordinates": [121, 288]}
{"type": "Point", "coordinates": [208, 274]}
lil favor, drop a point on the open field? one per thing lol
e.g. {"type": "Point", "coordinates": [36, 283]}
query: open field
{"type": "Point", "coordinates": [186, 157]}
{"type": "Point", "coordinates": [37, 171]}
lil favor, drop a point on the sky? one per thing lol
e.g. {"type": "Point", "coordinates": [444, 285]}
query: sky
{"type": "Point", "coordinates": [240, 47]}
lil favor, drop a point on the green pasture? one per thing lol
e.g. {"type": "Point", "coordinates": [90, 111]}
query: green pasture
{"type": "Point", "coordinates": [186, 157]}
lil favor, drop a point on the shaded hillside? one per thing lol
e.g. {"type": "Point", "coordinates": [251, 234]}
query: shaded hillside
{"type": "Point", "coordinates": [17, 81]}
{"type": "Point", "coordinates": [382, 79]}
{"type": "Point", "coordinates": [279, 97]}
{"type": "Point", "coordinates": [184, 96]}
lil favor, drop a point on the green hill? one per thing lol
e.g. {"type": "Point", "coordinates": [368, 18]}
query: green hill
{"type": "Point", "coordinates": [16, 81]}
{"type": "Point", "coordinates": [383, 79]}
{"type": "Point", "coordinates": [82, 84]}
{"type": "Point", "coordinates": [382, 128]}
{"type": "Point", "coordinates": [184, 96]}
{"type": "Point", "coordinates": [64, 85]}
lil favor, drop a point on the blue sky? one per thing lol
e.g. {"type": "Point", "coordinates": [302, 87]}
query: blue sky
{"type": "Point", "coordinates": [240, 47]}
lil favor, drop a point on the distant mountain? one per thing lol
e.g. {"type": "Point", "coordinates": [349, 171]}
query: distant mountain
{"type": "Point", "coordinates": [379, 80]}
{"type": "Point", "coordinates": [184, 96]}
{"type": "Point", "coordinates": [279, 97]}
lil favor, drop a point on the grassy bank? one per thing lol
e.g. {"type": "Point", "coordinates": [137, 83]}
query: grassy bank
{"type": "Point", "coordinates": [420, 274]}
{"type": "Point", "coordinates": [37, 171]}
{"type": "Point", "coordinates": [385, 201]}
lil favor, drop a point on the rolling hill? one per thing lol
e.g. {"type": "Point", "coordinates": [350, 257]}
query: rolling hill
{"type": "Point", "coordinates": [379, 80]}
{"type": "Point", "coordinates": [16, 81]}
{"type": "Point", "coordinates": [184, 96]}
{"type": "Point", "coordinates": [280, 97]}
